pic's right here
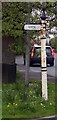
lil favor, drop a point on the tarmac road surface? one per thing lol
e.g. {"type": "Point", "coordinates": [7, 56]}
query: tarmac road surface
{"type": "Point", "coordinates": [35, 71]}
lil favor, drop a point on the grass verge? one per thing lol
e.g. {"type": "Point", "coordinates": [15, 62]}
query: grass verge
{"type": "Point", "coordinates": [19, 101]}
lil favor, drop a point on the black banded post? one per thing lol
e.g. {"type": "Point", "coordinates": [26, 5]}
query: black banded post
{"type": "Point", "coordinates": [43, 56]}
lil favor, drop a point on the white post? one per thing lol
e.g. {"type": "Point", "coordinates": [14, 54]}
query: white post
{"type": "Point", "coordinates": [43, 62]}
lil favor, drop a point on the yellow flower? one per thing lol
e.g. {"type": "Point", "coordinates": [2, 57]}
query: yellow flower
{"type": "Point", "coordinates": [50, 103]}
{"type": "Point", "coordinates": [13, 103]}
{"type": "Point", "coordinates": [41, 104]}
{"type": "Point", "coordinates": [7, 105]}
{"type": "Point", "coordinates": [16, 104]}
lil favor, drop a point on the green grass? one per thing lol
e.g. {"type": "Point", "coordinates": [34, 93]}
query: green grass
{"type": "Point", "coordinates": [0, 100]}
{"type": "Point", "coordinates": [0, 104]}
{"type": "Point", "coordinates": [19, 101]}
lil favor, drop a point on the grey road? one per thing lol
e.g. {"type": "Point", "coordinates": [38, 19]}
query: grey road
{"type": "Point", "coordinates": [35, 71]}
{"type": "Point", "coordinates": [46, 118]}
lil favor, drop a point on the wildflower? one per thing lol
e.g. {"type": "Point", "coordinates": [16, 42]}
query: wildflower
{"type": "Point", "coordinates": [41, 104]}
{"type": "Point", "coordinates": [44, 106]}
{"type": "Point", "coordinates": [16, 104]}
{"type": "Point", "coordinates": [7, 105]}
{"type": "Point", "coordinates": [50, 103]}
{"type": "Point", "coordinates": [13, 103]}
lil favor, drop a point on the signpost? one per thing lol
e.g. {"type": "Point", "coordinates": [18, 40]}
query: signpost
{"type": "Point", "coordinates": [43, 56]}
{"type": "Point", "coordinates": [27, 59]}
{"type": "Point", "coordinates": [32, 27]}
{"type": "Point", "coordinates": [41, 28]}
{"type": "Point", "coordinates": [43, 64]}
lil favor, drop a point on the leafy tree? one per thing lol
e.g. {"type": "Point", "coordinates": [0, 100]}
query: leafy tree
{"type": "Point", "coordinates": [15, 14]}
{"type": "Point", "coordinates": [53, 43]}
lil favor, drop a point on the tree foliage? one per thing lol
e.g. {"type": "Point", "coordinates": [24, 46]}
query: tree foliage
{"type": "Point", "coordinates": [16, 14]}
{"type": "Point", "coordinates": [53, 43]}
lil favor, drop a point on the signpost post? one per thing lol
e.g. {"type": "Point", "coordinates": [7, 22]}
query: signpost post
{"type": "Point", "coordinates": [41, 28]}
{"type": "Point", "coordinates": [43, 56]}
{"type": "Point", "coordinates": [27, 60]}
{"type": "Point", "coordinates": [28, 27]}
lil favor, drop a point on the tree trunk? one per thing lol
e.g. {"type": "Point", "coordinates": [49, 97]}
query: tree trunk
{"type": "Point", "coordinates": [8, 61]}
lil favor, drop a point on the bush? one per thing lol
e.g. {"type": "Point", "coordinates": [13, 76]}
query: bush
{"type": "Point", "coordinates": [53, 43]}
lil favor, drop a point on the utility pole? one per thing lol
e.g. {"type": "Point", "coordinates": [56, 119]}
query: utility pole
{"type": "Point", "coordinates": [43, 56]}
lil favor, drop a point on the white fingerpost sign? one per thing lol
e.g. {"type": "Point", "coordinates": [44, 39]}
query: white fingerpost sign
{"type": "Point", "coordinates": [32, 27]}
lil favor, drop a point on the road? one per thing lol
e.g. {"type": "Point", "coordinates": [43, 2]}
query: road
{"type": "Point", "coordinates": [45, 118]}
{"type": "Point", "coordinates": [35, 71]}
